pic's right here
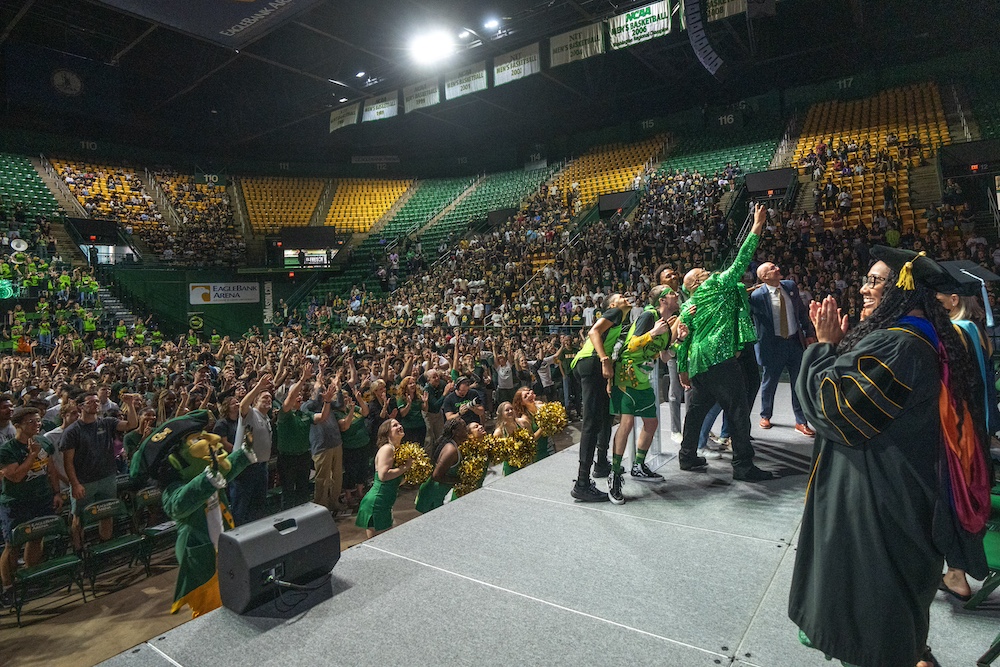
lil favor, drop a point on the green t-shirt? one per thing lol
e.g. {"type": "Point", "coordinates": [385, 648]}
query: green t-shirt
{"type": "Point", "coordinates": [356, 437]}
{"type": "Point", "coordinates": [35, 485]}
{"type": "Point", "coordinates": [413, 418]}
{"type": "Point", "coordinates": [293, 431]}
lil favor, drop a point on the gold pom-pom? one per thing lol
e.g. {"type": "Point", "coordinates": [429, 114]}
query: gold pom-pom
{"type": "Point", "coordinates": [524, 449]}
{"type": "Point", "coordinates": [471, 472]}
{"type": "Point", "coordinates": [501, 449]}
{"type": "Point", "coordinates": [421, 468]}
{"type": "Point", "coordinates": [551, 418]}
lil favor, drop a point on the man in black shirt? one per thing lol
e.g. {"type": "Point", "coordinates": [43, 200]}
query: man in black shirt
{"type": "Point", "coordinates": [89, 456]}
{"type": "Point", "coordinates": [464, 402]}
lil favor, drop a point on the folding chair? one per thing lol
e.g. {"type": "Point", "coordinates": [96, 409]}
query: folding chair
{"type": "Point", "coordinates": [57, 569]}
{"type": "Point", "coordinates": [158, 536]}
{"type": "Point", "coordinates": [127, 548]}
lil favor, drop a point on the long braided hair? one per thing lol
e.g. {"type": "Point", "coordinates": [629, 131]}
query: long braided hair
{"type": "Point", "coordinates": [451, 428]}
{"type": "Point", "coordinates": [896, 303]}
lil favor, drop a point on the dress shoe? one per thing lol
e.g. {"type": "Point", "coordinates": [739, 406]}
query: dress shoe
{"type": "Point", "coordinates": [698, 464]}
{"type": "Point", "coordinates": [754, 474]}
{"type": "Point", "coordinates": [805, 430]}
{"type": "Point", "coordinates": [765, 422]}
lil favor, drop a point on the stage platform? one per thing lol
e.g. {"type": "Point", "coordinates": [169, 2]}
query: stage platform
{"type": "Point", "coordinates": [690, 572]}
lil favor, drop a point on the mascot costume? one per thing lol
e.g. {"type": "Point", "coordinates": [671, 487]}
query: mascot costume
{"type": "Point", "coordinates": [191, 467]}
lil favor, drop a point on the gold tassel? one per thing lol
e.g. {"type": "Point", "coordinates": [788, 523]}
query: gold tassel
{"type": "Point", "coordinates": [906, 274]}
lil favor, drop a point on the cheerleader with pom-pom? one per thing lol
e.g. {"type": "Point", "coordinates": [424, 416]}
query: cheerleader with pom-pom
{"type": "Point", "coordinates": [375, 512]}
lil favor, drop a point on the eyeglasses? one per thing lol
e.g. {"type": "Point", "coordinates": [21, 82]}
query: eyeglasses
{"type": "Point", "coordinates": [873, 281]}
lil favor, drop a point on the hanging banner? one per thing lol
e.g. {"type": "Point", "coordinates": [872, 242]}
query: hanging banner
{"type": "Point", "coordinates": [344, 117]}
{"type": "Point", "coordinates": [381, 107]}
{"type": "Point", "coordinates": [516, 65]}
{"type": "Point", "coordinates": [463, 81]}
{"type": "Point", "coordinates": [420, 95]}
{"type": "Point", "coordinates": [576, 45]}
{"type": "Point", "coordinates": [721, 9]}
{"type": "Point", "coordinates": [640, 25]}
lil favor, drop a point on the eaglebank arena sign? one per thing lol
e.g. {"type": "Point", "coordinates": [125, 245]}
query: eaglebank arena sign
{"type": "Point", "coordinates": [222, 293]}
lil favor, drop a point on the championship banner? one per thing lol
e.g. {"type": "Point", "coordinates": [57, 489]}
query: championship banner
{"type": "Point", "coordinates": [201, 294]}
{"type": "Point", "coordinates": [231, 24]}
{"type": "Point", "coordinates": [344, 117]}
{"type": "Point", "coordinates": [516, 65]}
{"type": "Point", "coordinates": [721, 9]}
{"type": "Point", "coordinates": [420, 95]}
{"type": "Point", "coordinates": [463, 81]}
{"type": "Point", "coordinates": [381, 107]}
{"type": "Point", "coordinates": [640, 25]}
{"type": "Point", "coordinates": [576, 45]}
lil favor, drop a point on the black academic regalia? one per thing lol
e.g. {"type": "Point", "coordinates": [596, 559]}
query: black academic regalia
{"type": "Point", "coordinates": [867, 565]}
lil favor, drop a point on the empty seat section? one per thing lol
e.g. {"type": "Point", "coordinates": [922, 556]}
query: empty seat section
{"type": "Point", "coordinates": [21, 184]}
{"type": "Point", "coordinates": [275, 202]}
{"type": "Point", "coordinates": [359, 203]}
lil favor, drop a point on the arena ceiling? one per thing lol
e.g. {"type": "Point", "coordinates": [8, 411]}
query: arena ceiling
{"type": "Point", "coordinates": [272, 97]}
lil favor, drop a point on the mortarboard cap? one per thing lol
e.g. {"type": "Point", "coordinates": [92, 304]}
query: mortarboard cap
{"type": "Point", "coordinates": [162, 442]}
{"type": "Point", "coordinates": [969, 275]}
{"type": "Point", "coordinates": [915, 269]}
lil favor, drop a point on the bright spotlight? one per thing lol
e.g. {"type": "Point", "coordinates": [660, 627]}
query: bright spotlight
{"type": "Point", "coordinates": [432, 47]}
{"type": "Point", "coordinates": [343, 99]}
{"type": "Point", "coordinates": [360, 75]}
{"type": "Point", "coordinates": [465, 34]}
{"type": "Point", "coordinates": [491, 24]}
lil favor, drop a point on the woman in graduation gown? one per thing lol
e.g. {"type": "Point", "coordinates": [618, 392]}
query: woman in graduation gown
{"type": "Point", "coordinates": [897, 467]}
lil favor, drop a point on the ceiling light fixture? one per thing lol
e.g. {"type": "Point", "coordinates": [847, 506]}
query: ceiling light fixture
{"type": "Point", "coordinates": [343, 99]}
{"type": "Point", "coordinates": [491, 24]}
{"type": "Point", "coordinates": [432, 47]}
{"type": "Point", "coordinates": [360, 75]}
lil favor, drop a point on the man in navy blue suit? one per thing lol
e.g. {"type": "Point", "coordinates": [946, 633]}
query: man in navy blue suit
{"type": "Point", "coordinates": [783, 331]}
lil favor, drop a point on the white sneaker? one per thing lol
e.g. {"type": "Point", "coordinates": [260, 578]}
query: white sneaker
{"type": "Point", "coordinates": [709, 454]}
{"type": "Point", "coordinates": [676, 437]}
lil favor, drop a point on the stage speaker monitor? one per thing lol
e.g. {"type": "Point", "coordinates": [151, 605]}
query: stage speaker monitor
{"type": "Point", "coordinates": [695, 19]}
{"type": "Point", "coordinates": [297, 546]}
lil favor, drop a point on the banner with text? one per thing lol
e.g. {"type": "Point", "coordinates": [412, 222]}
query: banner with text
{"type": "Point", "coordinates": [463, 81]}
{"type": "Point", "coordinates": [344, 117]}
{"type": "Point", "coordinates": [721, 9]}
{"type": "Point", "coordinates": [516, 65]}
{"type": "Point", "coordinates": [640, 25]}
{"type": "Point", "coordinates": [221, 293]}
{"type": "Point", "coordinates": [576, 45]}
{"type": "Point", "coordinates": [381, 107]}
{"type": "Point", "coordinates": [420, 95]}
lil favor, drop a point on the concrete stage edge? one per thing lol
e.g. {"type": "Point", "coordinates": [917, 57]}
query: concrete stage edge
{"type": "Point", "coordinates": [692, 571]}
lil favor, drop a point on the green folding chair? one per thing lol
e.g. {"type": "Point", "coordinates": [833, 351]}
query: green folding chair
{"type": "Point", "coordinates": [58, 568]}
{"type": "Point", "coordinates": [159, 533]}
{"type": "Point", "coordinates": [124, 547]}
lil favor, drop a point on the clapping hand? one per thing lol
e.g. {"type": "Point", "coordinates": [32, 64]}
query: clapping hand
{"type": "Point", "coordinates": [831, 325]}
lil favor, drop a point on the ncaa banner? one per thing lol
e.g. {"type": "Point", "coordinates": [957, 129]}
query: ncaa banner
{"type": "Point", "coordinates": [420, 95]}
{"type": "Point", "coordinates": [344, 117]}
{"type": "Point", "coordinates": [576, 45]}
{"type": "Point", "coordinates": [463, 81]}
{"type": "Point", "coordinates": [383, 106]}
{"type": "Point", "coordinates": [516, 65]}
{"type": "Point", "coordinates": [201, 294]}
{"type": "Point", "coordinates": [640, 25]}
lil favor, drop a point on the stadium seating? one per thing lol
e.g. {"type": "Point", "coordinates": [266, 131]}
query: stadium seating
{"type": "Point", "coordinates": [428, 199]}
{"type": "Point", "coordinates": [909, 111]}
{"type": "Point", "coordinates": [359, 203]}
{"type": "Point", "coordinates": [207, 234]}
{"type": "Point", "coordinates": [111, 192]}
{"type": "Point", "coordinates": [20, 183]}
{"type": "Point", "coordinates": [609, 168]}
{"type": "Point", "coordinates": [495, 191]}
{"type": "Point", "coordinates": [273, 202]}
{"type": "Point", "coordinates": [709, 154]}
